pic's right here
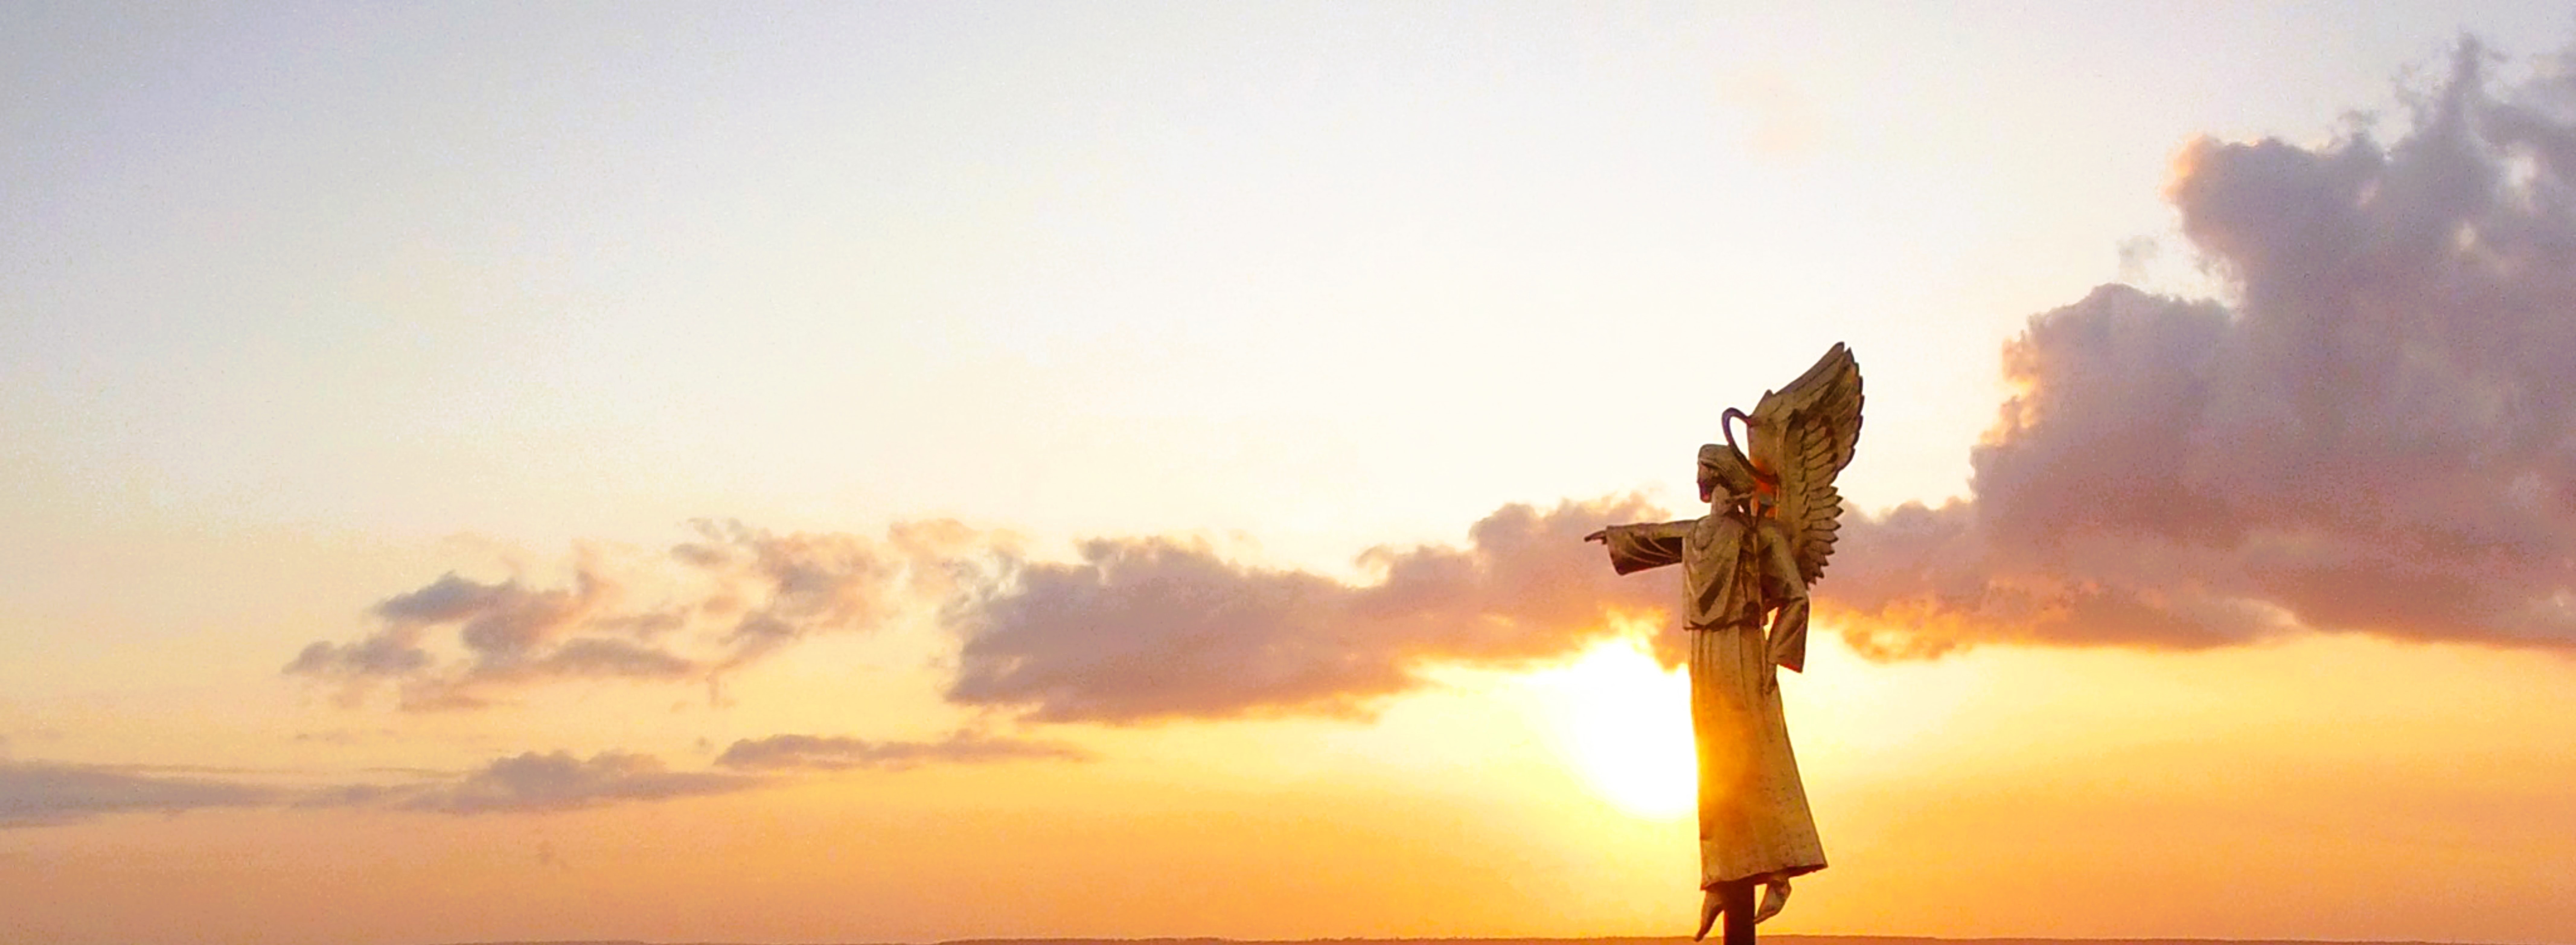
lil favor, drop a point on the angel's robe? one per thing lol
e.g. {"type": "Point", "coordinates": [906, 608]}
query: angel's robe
{"type": "Point", "coordinates": [1753, 818]}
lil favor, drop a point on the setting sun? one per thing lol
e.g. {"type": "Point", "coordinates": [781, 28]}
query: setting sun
{"type": "Point", "coordinates": [1624, 724]}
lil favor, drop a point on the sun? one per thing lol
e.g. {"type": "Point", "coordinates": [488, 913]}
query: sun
{"type": "Point", "coordinates": [1623, 723]}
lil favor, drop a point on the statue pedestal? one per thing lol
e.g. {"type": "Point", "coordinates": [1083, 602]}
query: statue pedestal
{"type": "Point", "coordinates": [1739, 913]}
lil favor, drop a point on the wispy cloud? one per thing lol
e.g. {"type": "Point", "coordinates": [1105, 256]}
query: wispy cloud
{"type": "Point", "coordinates": [733, 595]}
{"type": "Point", "coordinates": [554, 781]}
{"type": "Point", "coordinates": [834, 753]}
{"type": "Point", "coordinates": [44, 793]}
{"type": "Point", "coordinates": [38, 793]}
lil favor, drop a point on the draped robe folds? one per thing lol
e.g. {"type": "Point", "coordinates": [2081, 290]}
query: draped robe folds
{"type": "Point", "coordinates": [1753, 818]}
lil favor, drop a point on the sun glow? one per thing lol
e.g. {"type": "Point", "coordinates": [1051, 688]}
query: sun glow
{"type": "Point", "coordinates": [1624, 724]}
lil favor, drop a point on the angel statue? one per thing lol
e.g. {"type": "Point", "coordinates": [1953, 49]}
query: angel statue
{"type": "Point", "coordinates": [1769, 528]}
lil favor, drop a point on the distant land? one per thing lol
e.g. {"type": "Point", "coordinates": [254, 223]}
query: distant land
{"type": "Point", "coordinates": [1609, 940]}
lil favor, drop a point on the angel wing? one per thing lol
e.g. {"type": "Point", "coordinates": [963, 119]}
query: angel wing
{"type": "Point", "coordinates": [1802, 436]}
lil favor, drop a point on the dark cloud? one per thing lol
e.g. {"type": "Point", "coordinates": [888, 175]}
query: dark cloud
{"type": "Point", "coordinates": [1149, 628]}
{"type": "Point", "coordinates": [35, 793]}
{"type": "Point", "coordinates": [733, 595]}
{"type": "Point", "coordinates": [831, 753]}
{"type": "Point", "coordinates": [2377, 434]}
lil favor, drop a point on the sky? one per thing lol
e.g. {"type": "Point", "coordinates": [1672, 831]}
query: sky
{"type": "Point", "coordinates": [898, 473]}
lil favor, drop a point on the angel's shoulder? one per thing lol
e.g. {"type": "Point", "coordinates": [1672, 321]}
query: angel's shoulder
{"type": "Point", "coordinates": [1719, 527]}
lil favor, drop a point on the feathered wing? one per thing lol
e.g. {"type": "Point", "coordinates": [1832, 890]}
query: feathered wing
{"type": "Point", "coordinates": [1803, 435]}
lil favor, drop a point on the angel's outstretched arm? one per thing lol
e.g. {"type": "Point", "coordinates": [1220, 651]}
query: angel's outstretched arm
{"type": "Point", "coordinates": [1635, 548]}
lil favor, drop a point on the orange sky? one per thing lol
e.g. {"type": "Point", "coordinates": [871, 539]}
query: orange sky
{"type": "Point", "coordinates": [2268, 792]}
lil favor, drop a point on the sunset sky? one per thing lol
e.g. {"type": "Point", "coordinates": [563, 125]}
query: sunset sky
{"type": "Point", "coordinates": [891, 473]}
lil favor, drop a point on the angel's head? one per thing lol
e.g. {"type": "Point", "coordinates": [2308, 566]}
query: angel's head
{"type": "Point", "coordinates": [1723, 467]}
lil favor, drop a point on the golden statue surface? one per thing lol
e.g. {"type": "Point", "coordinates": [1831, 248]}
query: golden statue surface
{"type": "Point", "coordinates": [1746, 567]}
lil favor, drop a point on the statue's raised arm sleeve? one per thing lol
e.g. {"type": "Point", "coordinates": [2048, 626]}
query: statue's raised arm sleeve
{"type": "Point", "coordinates": [1788, 639]}
{"type": "Point", "coordinates": [1635, 548]}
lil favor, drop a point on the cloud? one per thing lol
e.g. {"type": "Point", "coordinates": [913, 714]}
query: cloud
{"type": "Point", "coordinates": [553, 781]}
{"type": "Point", "coordinates": [734, 595]}
{"type": "Point", "coordinates": [830, 753]}
{"type": "Point", "coordinates": [45, 793]}
{"type": "Point", "coordinates": [1155, 627]}
{"type": "Point", "coordinates": [37, 793]}
{"type": "Point", "coordinates": [2373, 433]}
{"type": "Point", "coordinates": [2376, 435]}
{"type": "Point", "coordinates": [1137, 628]}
